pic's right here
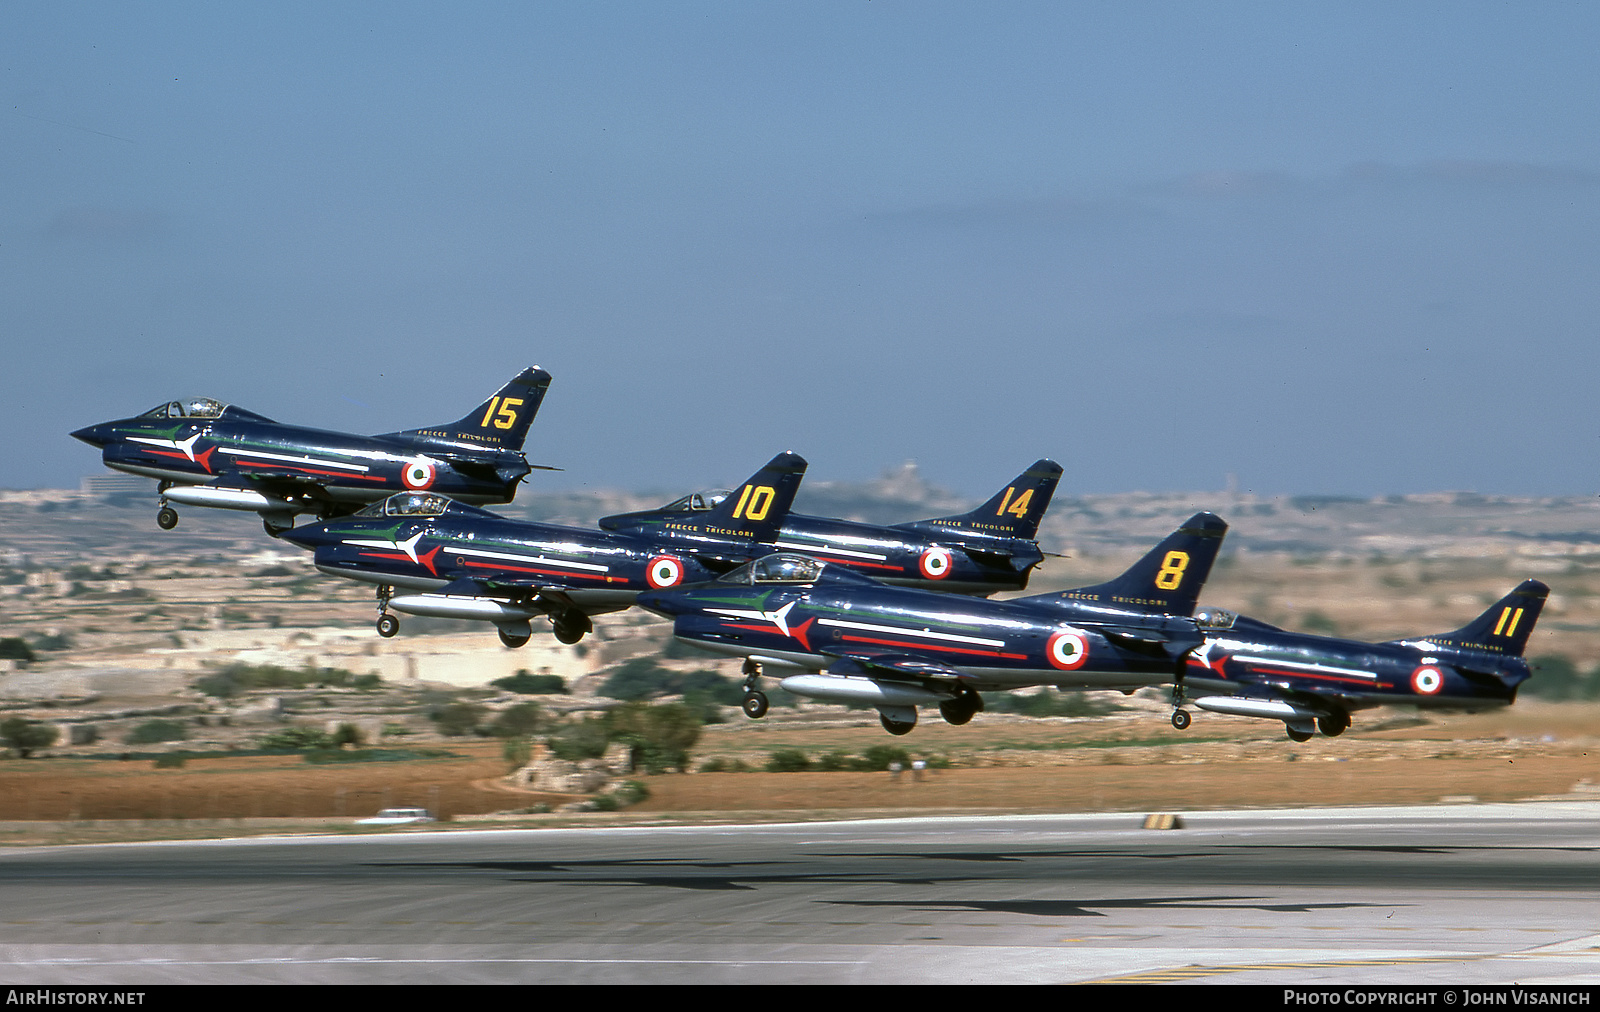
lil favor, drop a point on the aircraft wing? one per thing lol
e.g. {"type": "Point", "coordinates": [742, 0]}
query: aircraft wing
{"type": "Point", "coordinates": [1172, 644]}
{"type": "Point", "coordinates": [892, 665]}
{"type": "Point", "coordinates": [279, 483]}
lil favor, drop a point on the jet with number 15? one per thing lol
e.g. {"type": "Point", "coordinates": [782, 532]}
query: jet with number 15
{"type": "Point", "coordinates": [206, 453]}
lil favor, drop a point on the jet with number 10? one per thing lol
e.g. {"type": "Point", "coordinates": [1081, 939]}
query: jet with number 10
{"type": "Point", "coordinates": [988, 549]}
{"type": "Point", "coordinates": [206, 453]}
{"type": "Point", "coordinates": [458, 561]}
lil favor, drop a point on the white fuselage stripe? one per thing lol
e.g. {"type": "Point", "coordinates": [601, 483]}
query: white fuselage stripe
{"type": "Point", "coordinates": [295, 460]}
{"type": "Point", "coordinates": [509, 557]}
{"type": "Point", "coordinates": [829, 548]}
{"type": "Point", "coordinates": [1302, 666]}
{"type": "Point", "coordinates": [900, 631]}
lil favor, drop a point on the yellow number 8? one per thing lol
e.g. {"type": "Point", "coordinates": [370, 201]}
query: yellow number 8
{"type": "Point", "coordinates": [1171, 572]}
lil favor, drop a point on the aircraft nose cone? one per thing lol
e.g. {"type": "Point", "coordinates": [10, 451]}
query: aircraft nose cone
{"type": "Point", "coordinates": [94, 435]}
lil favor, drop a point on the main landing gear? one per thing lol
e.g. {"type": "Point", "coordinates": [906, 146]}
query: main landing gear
{"type": "Point", "coordinates": [388, 625]}
{"type": "Point", "coordinates": [959, 710]}
{"type": "Point", "coordinates": [754, 704]}
{"type": "Point", "coordinates": [515, 639]}
{"type": "Point", "coordinates": [898, 726]}
{"type": "Point", "coordinates": [569, 627]}
{"type": "Point", "coordinates": [166, 518]}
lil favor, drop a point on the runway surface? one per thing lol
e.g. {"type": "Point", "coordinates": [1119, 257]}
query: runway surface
{"type": "Point", "coordinates": [1455, 896]}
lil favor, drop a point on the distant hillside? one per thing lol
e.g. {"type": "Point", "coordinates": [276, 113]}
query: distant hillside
{"type": "Point", "coordinates": [62, 524]}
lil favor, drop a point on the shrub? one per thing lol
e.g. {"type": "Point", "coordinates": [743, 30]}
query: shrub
{"type": "Point", "coordinates": [527, 684]}
{"type": "Point", "coordinates": [153, 731]}
{"type": "Point", "coordinates": [25, 736]}
{"type": "Point", "coordinates": [519, 721]}
{"type": "Point", "coordinates": [788, 760]}
{"type": "Point", "coordinates": [458, 719]}
{"type": "Point", "coordinates": [295, 739]}
{"type": "Point", "coordinates": [15, 648]}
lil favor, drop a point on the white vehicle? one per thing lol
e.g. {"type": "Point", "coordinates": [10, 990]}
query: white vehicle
{"type": "Point", "coordinates": [397, 817]}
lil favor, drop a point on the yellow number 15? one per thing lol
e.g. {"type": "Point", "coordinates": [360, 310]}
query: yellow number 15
{"type": "Point", "coordinates": [505, 418]}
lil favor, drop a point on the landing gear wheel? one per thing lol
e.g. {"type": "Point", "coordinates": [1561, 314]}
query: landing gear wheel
{"type": "Point", "coordinates": [896, 726]}
{"type": "Point", "coordinates": [388, 625]}
{"type": "Point", "coordinates": [566, 633]}
{"type": "Point", "coordinates": [167, 518]}
{"type": "Point", "coordinates": [961, 709]}
{"type": "Point", "coordinates": [272, 529]}
{"type": "Point", "coordinates": [1298, 735]}
{"type": "Point", "coordinates": [754, 705]}
{"type": "Point", "coordinates": [514, 640]}
{"type": "Point", "coordinates": [1334, 725]}
{"type": "Point", "coordinates": [1181, 719]}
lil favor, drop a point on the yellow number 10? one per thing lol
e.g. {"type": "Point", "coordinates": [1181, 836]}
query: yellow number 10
{"type": "Point", "coordinates": [754, 502]}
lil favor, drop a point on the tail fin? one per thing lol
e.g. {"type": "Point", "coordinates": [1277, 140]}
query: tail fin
{"type": "Point", "coordinates": [1013, 512]}
{"type": "Point", "coordinates": [501, 422]}
{"type": "Point", "coordinates": [1505, 627]}
{"type": "Point", "coordinates": [757, 508]}
{"type": "Point", "coordinates": [1170, 576]}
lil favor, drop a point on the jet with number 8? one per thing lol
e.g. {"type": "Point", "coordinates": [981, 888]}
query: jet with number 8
{"type": "Point", "coordinates": [842, 637]}
{"type": "Point", "coordinates": [206, 453]}
{"type": "Point", "coordinates": [988, 549]}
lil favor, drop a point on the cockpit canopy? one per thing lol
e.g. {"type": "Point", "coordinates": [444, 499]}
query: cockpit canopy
{"type": "Point", "coordinates": [408, 504]}
{"type": "Point", "coordinates": [1215, 618]}
{"type": "Point", "coordinates": [782, 568]}
{"type": "Point", "coordinates": [697, 502]}
{"type": "Point", "coordinates": [197, 407]}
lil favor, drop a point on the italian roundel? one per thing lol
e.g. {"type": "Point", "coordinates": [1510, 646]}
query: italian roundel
{"type": "Point", "coordinates": [935, 563]}
{"type": "Point", "coordinates": [418, 474]}
{"type": "Point", "coordinates": [1067, 649]}
{"type": "Point", "coordinates": [1427, 681]}
{"type": "Point", "coordinates": [664, 571]}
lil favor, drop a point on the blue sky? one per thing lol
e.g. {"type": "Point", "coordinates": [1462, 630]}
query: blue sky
{"type": "Point", "coordinates": [1329, 248]}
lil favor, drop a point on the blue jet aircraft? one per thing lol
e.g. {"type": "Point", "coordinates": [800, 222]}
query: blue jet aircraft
{"type": "Point", "coordinates": [852, 639]}
{"type": "Point", "coordinates": [206, 453]}
{"type": "Point", "coordinates": [989, 549]}
{"type": "Point", "coordinates": [466, 562]}
{"type": "Point", "coordinates": [1248, 668]}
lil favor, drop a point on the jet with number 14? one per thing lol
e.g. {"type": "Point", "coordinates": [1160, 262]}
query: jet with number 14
{"type": "Point", "coordinates": [988, 549]}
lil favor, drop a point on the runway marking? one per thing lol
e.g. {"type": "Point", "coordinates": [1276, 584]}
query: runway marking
{"type": "Point", "coordinates": [1196, 970]}
{"type": "Point", "coordinates": [327, 960]}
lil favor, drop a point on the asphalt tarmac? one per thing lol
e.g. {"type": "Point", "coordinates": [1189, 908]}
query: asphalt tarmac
{"type": "Point", "coordinates": [1442, 896]}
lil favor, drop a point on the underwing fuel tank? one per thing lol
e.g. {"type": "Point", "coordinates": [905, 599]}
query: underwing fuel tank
{"type": "Point", "coordinates": [841, 689]}
{"type": "Point", "coordinates": [453, 606]}
{"type": "Point", "coordinates": [1245, 706]}
{"type": "Point", "coordinates": [226, 498]}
